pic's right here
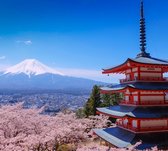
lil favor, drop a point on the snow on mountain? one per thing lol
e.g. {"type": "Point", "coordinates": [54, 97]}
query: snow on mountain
{"type": "Point", "coordinates": [31, 74]}
{"type": "Point", "coordinates": [31, 67]}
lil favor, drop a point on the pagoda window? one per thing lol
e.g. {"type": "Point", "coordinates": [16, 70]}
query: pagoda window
{"type": "Point", "coordinates": [125, 122]}
{"type": "Point", "coordinates": [128, 76]}
{"type": "Point", "coordinates": [119, 122]}
{"type": "Point", "coordinates": [134, 124]}
{"type": "Point", "coordinates": [135, 98]}
{"type": "Point", "coordinates": [135, 76]}
{"type": "Point", "coordinates": [166, 97]}
{"type": "Point", "coordinates": [127, 98]}
{"type": "Point", "coordinates": [127, 91]}
{"type": "Point", "coordinates": [128, 71]}
{"type": "Point", "coordinates": [134, 69]}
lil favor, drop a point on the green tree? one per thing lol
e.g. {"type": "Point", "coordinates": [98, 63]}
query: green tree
{"type": "Point", "coordinates": [106, 100]}
{"type": "Point", "coordinates": [96, 100]}
{"type": "Point", "coordinates": [93, 102]}
{"type": "Point", "coordinates": [80, 113]}
{"type": "Point", "coordinates": [110, 99]}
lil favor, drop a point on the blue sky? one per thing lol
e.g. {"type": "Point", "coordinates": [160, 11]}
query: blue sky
{"type": "Point", "coordinates": [80, 36]}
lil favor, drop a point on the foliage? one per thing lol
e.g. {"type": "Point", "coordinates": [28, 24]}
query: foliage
{"type": "Point", "coordinates": [98, 100]}
{"type": "Point", "coordinates": [80, 113]}
{"type": "Point", "coordinates": [110, 99]}
{"type": "Point", "coordinates": [93, 102]}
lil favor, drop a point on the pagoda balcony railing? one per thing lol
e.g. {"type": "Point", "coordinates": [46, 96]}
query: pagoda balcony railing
{"type": "Point", "coordinates": [144, 129]}
{"type": "Point", "coordinates": [129, 127]}
{"type": "Point", "coordinates": [129, 102]}
{"type": "Point", "coordinates": [142, 103]}
{"type": "Point", "coordinates": [152, 102]}
{"type": "Point", "coordinates": [144, 79]}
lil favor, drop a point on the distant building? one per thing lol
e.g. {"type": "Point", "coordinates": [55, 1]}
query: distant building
{"type": "Point", "coordinates": [143, 113]}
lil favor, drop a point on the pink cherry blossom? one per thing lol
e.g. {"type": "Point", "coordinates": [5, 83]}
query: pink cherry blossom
{"type": "Point", "coordinates": [26, 129]}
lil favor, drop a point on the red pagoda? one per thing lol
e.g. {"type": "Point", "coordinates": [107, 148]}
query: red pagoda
{"type": "Point", "coordinates": [143, 113]}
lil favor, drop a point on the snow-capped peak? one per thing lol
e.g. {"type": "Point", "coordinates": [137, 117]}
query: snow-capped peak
{"type": "Point", "coordinates": [31, 67]}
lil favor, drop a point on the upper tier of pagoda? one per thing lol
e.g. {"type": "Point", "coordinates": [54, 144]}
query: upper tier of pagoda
{"type": "Point", "coordinates": [147, 62]}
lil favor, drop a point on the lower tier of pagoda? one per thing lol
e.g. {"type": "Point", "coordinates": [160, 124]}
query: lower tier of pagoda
{"type": "Point", "coordinates": [122, 138]}
{"type": "Point", "coordinates": [138, 119]}
{"type": "Point", "coordinates": [140, 93]}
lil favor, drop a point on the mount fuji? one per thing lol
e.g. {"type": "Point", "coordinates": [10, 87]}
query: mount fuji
{"type": "Point", "coordinates": [31, 67]}
{"type": "Point", "coordinates": [31, 74]}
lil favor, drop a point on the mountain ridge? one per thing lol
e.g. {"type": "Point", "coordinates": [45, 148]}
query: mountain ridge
{"type": "Point", "coordinates": [31, 67]}
{"type": "Point", "coordinates": [32, 74]}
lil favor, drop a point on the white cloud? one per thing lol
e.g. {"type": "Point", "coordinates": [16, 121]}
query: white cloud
{"type": "Point", "coordinates": [2, 57]}
{"type": "Point", "coordinates": [92, 74]}
{"type": "Point", "coordinates": [26, 42]}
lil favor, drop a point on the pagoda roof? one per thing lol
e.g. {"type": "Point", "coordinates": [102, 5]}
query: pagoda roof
{"type": "Point", "coordinates": [155, 86]}
{"type": "Point", "coordinates": [135, 112]}
{"type": "Point", "coordinates": [123, 139]}
{"type": "Point", "coordinates": [116, 136]}
{"type": "Point", "coordinates": [146, 61]}
{"type": "Point", "coordinates": [150, 60]}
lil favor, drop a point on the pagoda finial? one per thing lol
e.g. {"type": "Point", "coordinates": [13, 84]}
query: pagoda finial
{"type": "Point", "coordinates": [142, 11]}
{"type": "Point", "coordinates": [142, 34]}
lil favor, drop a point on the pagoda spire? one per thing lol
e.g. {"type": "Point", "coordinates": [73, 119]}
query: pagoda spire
{"type": "Point", "coordinates": [142, 33]}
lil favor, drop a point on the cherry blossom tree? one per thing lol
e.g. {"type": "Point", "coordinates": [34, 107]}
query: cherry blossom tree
{"type": "Point", "coordinates": [27, 129]}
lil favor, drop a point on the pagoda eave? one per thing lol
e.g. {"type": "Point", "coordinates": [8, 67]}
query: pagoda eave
{"type": "Point", "coordinates": [113, 113]}
{"type": "Point", "coordinates": [135, 112]}
{"type": "Point", "coordinates": [122, 138]}
{"type": "Point", "coordinates": [117, 69]}
{"type": "Point", "coordinates": [131, 89]}
{"type": "Point", "coordinates": [112, 139]}
{"type": "Point", "coordinates": [107, 114]}
{"type": "Point", "coordinates": [129, 63]}
{"type": "Point", "coordinates": [111, 91]}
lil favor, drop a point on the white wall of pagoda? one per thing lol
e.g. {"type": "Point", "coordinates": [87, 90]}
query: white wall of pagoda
{"type": "Point", "coordinates": [145, 97]}
{"type": "Point", "coordinates": [141, 125]}
{"type": "Point", "coordinates": [152, 96]}
{"type": "Point", "coordinates": [153, 123]}
{"type": "Point", "coordinates": [143, 73]}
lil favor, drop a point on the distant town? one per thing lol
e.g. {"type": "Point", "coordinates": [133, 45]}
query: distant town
{"type": "Point", "coordinates": [52, 102]}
